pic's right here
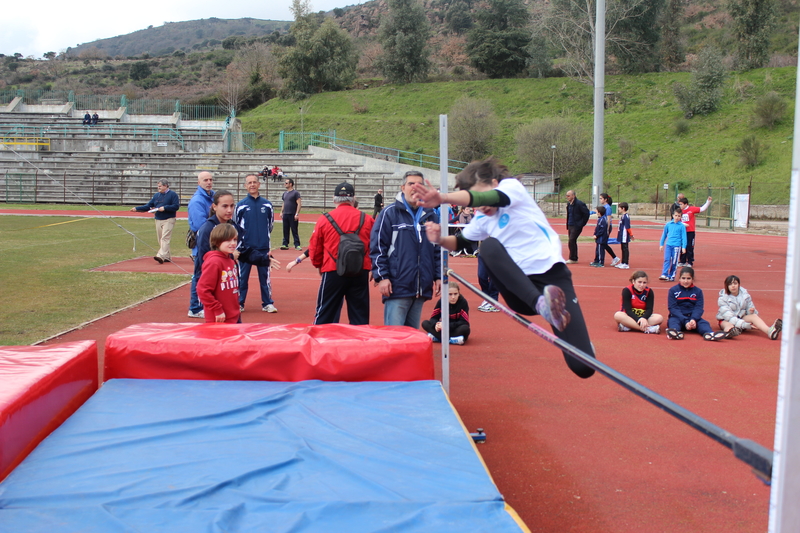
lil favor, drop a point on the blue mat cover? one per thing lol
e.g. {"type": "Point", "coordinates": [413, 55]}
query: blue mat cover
{"type": "Point", "coordinates": [230, 456]}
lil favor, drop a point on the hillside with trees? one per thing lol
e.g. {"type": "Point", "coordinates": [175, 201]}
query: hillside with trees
{"type": "Point", "coordinates": [695, 91]}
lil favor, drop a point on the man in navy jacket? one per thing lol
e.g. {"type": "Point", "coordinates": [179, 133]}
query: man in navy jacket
{"type": "Point", "coordinates": [577, 218]}
{"type": "Point", "coordinates": [405, 265]}
{"type": "Point", "coordinates": [165, 204]}
{"type": "Point", "coordinates": [255, 216]}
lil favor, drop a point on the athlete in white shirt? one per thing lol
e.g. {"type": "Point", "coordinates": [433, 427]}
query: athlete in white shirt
{"type": "Point", "coordinates": [521, 251]}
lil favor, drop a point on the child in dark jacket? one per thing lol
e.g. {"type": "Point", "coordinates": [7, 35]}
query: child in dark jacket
{"type": "Point", "coordinates": [685, 303]}
{"type": "Point", "coordinates": [600, 237]}
{"type": "Point", "coordinates": [218, 286]}
{"type": "Point", "coordinates": [624, 235]}
{"type": "Point", "coordinates": [459, 317]}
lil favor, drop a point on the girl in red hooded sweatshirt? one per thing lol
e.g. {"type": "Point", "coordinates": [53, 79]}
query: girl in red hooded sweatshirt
{"type": "Point", "coordinates": [218, 286]}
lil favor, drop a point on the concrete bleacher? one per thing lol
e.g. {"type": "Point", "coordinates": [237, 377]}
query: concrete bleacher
{"type": "Point", "coordinates": [129, 178]}
{"type": "Point", "coordinates": [120, 160]}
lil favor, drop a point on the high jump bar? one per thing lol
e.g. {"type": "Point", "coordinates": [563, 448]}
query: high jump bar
{"type": "Point", "coordinates": [746, 450]}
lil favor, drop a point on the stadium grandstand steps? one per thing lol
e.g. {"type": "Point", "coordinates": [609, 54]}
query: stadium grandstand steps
{"type": "Point", "coordinates": [129, 178]}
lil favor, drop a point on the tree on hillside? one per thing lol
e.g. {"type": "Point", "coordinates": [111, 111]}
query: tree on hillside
{"type": "Point", "coordinates": [498, 45]}
{"type": "Point", "coordinates": [473, 128]}
{"type": "Point", "coordinates": [671, 19]}
{"type": "Point", "coordinates": [458, 18]}
{"type": "Point", "coordinates": [572, 140]}
{"type": "Point", "coordinates": [704, 92]}
{"type": "Point", "coordinates": [753, 21]}
{"type": "Point", "coordinates": [139, 71]}
{"type": "Point", "coordinates": [636, 47]}
{"type": "Point", "coordinates": [323, 58]}
{"type": "Point", "coordinates": [631, 34]}
{"type": "Point", "coordinates": [404, 37]}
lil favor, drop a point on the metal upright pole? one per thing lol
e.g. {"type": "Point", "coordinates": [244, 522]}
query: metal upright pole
{"type": "Point", "coordinates": [784, 513]}
{"type": "Point", "coordinates": [599, 100]}
{"type": "Point", "coordinates": [443, 210]}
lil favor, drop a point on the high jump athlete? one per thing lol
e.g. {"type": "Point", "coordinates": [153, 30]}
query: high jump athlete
{"type": "Point", "coordinates": [520, 249]}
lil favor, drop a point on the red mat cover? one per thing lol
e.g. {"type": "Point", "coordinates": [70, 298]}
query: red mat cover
{"type": "Point", "coordinates": [269, 352]}
{"type": "Point", "coordinates": [41, 387]}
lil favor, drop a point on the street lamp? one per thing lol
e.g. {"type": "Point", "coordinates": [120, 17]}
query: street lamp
{"type": "Point", "coordinates": [553, 167]}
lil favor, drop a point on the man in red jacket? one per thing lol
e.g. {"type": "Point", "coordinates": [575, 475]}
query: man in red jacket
{"type": "Point", "coordinates": [323, 251]}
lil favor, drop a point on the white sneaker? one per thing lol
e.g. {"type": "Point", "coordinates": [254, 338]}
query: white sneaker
{"type": "Point", "coordinates": [486, 307]}
{"type": "Point", "coordinates": [622, 328]}
{"type": "Point", "coordinates": [457, 340]}
{"type": "Point", "coordinates": [625, 266]}
{"type": "Point", "coordinates": [269, 308]}
{"type": "Point", "coordinates": [199, 314]}
{"type": "Point", "coordinates": [434, 338]}
{"type": "Point", "coordinates": [653, 329]}
{"type": "Point", "coordinates": [615, 262]}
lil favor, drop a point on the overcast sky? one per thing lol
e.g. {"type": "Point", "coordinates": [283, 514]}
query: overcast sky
{"type": "Point", "coordinates": [45, 26]}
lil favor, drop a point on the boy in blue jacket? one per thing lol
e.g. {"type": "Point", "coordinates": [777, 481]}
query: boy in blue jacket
{"type": "Point", "coordinates": [673, 244]}
{"type": "Point", "coordinates": [600, 238]}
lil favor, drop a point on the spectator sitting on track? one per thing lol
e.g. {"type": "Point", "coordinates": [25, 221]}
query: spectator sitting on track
{"type": "Point", "coordinates": [520, 250]}
{"type": "Point", "coordinates": [636, 313]}
{"type": "Point", "coordinates": [459, 317]}
{"type": "Point", "coordinates": [87, 119]}
{"type": "Point", "coordinates": [218, 287]}
{"type": "Point", "coordinates": [737, 313]}
{"type": "Point", "coordinates": [685, 305]}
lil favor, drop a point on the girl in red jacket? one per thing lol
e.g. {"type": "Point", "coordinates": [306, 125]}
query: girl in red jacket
{"type": "Point", "coordinates": [218, 286]}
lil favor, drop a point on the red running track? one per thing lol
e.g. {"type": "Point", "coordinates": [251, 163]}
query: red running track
{"type": "Point", "coordinates": [574, 455]}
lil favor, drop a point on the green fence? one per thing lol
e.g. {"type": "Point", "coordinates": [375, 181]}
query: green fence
{"type": "Point", "coordinates": [300, 141]}
{"type": "Point", "coordinates": [139, 106]}
{"type": "Point", "coordinates": [203, 112]}
{"type": "Point", "coordinates": [240, 141]}
{"type": "Point", "coordinates": [20, 188]}
{"type": "Point", "coordinates": [98, 101]}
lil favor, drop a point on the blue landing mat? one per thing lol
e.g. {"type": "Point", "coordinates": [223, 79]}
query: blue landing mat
{"type": "Point", "coordinates": [225, 456]}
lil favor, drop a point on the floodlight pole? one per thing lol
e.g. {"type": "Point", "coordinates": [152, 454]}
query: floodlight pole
{"type": "Point", "coordinates": [599, 100]}
{"type": "Point", "coordinates": [444, 222]}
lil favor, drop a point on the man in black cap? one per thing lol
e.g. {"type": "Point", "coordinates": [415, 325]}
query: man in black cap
{"type": "Point", "coordinates": [334, 233]}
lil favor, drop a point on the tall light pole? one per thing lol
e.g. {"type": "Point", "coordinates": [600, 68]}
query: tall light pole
{"type": "Point", "coordinates": [553, 167]}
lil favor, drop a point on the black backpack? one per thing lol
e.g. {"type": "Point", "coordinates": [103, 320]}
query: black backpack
{"type": "Point", "coordinates": [350, 261]}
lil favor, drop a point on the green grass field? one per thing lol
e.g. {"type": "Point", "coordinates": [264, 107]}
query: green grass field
{"type": "Point", "coordinates": [643, 149]}
{"type": "Point", "coordinates": [45, 265]}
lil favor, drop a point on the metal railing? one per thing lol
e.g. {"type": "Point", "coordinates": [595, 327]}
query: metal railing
{"type": "Point", "coordinates": [202, 112]}
{"type": "Point", "coordinates": [300, 141]}
{"type": "Point", "coordinates": [139, 106]}
{"type": "Point", "coordinates": [42, 143]}
{"type": "Point", "coordinates": [97, 101]}
{"type": "Point", "coordinates": [240, 141]}
{"type": "Point", "coordinates": [65, 130]}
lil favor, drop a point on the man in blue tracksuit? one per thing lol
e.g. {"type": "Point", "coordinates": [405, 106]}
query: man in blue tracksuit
{"type": "Point", "coordinates": [405, 265]}
{"type": "Point", "coordinates": [255, 216]}
{"type": "Point", "coordinates": [199, 207]}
